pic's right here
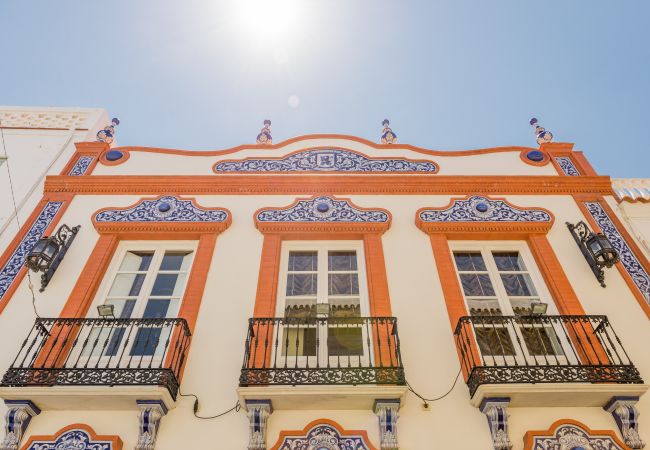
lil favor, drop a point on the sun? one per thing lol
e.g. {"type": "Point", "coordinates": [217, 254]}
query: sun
{"type": "Point", "coordinates": [267, 19]}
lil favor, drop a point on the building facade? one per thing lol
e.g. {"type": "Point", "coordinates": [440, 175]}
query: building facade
{"type": "Point", "coordinates": [326, 292]}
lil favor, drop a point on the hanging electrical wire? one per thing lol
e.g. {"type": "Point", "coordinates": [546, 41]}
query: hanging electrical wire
{"type": "Point", "coordinates": [235, 408]}
{"type": "Point", "coordinates": [427, 400]}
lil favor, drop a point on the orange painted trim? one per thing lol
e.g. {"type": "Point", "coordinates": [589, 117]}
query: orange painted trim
{"type": "Point", "coordinates": [115, 441]}
{"type": "Point", "coordinates": [161, 230]}
{"type": "Point", "coordinates": [27, 224]}
{"type": "Point", "coordinates": [122, 160]}
{"type": "Point", "coordinates": [298, 184]}
{"type": "Point", "coordinates": [267, 281]}
{"type": "Point", "coordinates": [298, 433]}
{"type": "Point", "coordinates": [531, 435]}
{"type": "Point", "coordinates": [484, 230]}
{"type": "Point", "coordinates": [543, 162]}
{"type": "Point", "coordinates": [376, 276]}
{"type": "Point", "coordinates": [278, 158]}
{"type": "Point", "coordinates": [584, 165]}
{"type": "Point", "coordinates": [628, 239]}
{"type": "Point", "coordinates": [93, 149]}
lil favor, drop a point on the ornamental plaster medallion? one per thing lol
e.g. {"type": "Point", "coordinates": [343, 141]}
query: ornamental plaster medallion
{"type": "Point", "coordinates": [326, 160]}
{"type": "Point", "coordinates": [629, 260]}
{"type": "Point", "coordinates": [322, 209]}
{"type": "Point", "coordinates": [163, 209]}
{"type": "Point", "coordinates": [483, 209]}
{"type": "Point", "coordinates": [571, 437]}
{"type": "Point", "coordinates": [324, 437]}
{"type": "Point", "coordinates": [72, 440]}
{"type": "Point", "coordinates": [11, 268]}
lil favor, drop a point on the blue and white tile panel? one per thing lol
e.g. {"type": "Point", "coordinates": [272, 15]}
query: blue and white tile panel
{"type": "Point", "coordinates": [482, 209]}
{"type": "Point", "coordinates": [322, 209]}
{"type": "Point", "coordinates": [567, 166]}
{"type": "Point", "coordinates": [15, 262]}
{"type": "Point", "coordinates": [81, 166]}
{"type": "Point", "coordinates": [327, 160]}
{"type": "Point", "coordinates": [163, 209]}
{"type": "Point", "coordinates": [324, 436]}
{"type": "Point", "coordinates": [72, 440]}
{"type": "Point", "coordinates": [628, 258]}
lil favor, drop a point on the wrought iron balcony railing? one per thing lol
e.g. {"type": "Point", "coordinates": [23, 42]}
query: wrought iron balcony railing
{"type": "Point", "coordinates": [542, 349]}
{"type": "Point", "coordinates": [101, 352]}
{"type": "Point", "coordinates": [322, 351]}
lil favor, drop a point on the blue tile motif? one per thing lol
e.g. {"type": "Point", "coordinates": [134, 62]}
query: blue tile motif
{"type": "Point", "coordinates": [322, 209]}
{"type": "Point", "coordinates": [567, 166]}
{"type": "Point", "coordinates": [628, 258]}
{"type": "Point", "coordinates": [17, 259]}
{"type": "Point", "coordinates": [164, 209]}
{"type": "Point", "coordinates": [326, 160]}
{"type": "Point", "coordinates": [324, 437]}
{"type": "Point", "coordinates": [72, 440]}
{"type": "Point", "coordinates": [81, 166]}
{"type": "Point", "coordinates": [483, 209]}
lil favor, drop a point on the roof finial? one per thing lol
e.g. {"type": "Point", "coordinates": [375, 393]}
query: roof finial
{"type": "Point", "coordinates": [108, 133]}
{"type": "Point", "coordinates": [387, 135]}
{"type": "Point", "coordinates": [264, 137]}
{"type": "Point", "coordinates": [542, 135]}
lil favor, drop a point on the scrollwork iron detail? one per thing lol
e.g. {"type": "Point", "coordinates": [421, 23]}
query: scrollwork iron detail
{"type": "Point", "coordinates": [343, 375]}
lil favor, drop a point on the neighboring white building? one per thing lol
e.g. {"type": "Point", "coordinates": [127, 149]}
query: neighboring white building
{"type": "Point", "coordinates": [308, 281]}
{"type": "Point", "coordinates": [36, 142]}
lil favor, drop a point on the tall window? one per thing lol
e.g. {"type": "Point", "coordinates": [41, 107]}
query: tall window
{"type": "Point", "coordinates": [321, 295]}
{"type": "Point", "coordinates": [498, 281]}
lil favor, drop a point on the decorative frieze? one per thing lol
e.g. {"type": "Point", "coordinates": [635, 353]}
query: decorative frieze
{"type": "Point", "coordinates": [323, 434]}
{"type": "Point", "coordinates": [74, 437]}
{"type": "Point", "coordinates": [567, 166]}
{"type": "Point", "coordinates": [17, 420]}
{"type": "Point", "coordinates": [387, 412]}
{"type": "Point", "coordinates": [15, 262]}
{"type": "Point", "coordinates": [326, 160]}
{"type": "Point", "coordinates": [483, 209]}
{"type": "Point", "coordinates": [572, 435]}
{"type": "Point", "coordinates": [322, 209]}
{"type": "Point", "coordinates": [258, 414]}
{"type": "Point", "coordinates": [81, 166]}
{"type": "Point", "coordinates": [627, 257]}
{"type": "Point", "coordinates": [164, 209]}
{"type": "Point", "coordinates": [496, 411]}
{"type": "Point", "coordinates": [627, 418]}
{"type": "Point", "coordinates": [151, 412]}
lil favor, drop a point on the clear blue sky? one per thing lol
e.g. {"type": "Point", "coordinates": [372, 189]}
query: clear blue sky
{"type": "Point", "coordinates": [453, 74]}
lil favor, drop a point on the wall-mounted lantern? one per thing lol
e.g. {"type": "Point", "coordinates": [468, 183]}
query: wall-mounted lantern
{"type": "Point", "coordinates": [106, 310]}
{"type": "Point", "coordinates": [538, 308]}
{"type": "Point", "coordinates": [595, 247]}
{"type": "Point", "coordinates": [49, 251]}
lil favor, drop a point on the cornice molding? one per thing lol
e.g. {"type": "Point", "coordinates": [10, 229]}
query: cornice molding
{"type": "Point", "coordinates": [331, 184]}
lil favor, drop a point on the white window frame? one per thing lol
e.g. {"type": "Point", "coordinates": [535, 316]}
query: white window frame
{"type": "Point", "coordinates": [113, 268]}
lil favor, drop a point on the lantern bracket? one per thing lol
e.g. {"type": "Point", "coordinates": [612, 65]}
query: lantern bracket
{"type": "Point", "coordinates": [63, 239]}
{"type": "Point", "coordinates": [583, 235]}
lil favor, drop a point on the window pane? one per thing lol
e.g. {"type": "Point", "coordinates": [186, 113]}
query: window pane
{"type": "Point", "coordinates": [156, 309]}
{"type": "Point", "coordinates": [338, 261]}
{"type": "Point", "coordinates": [126, 285]}
{"type": "Point", "coordinates": [494, 341]}
{"type": "Point", "coordinates": [168, 284]}
{"type": "Point", "coordinates": [136, 261]}
{"type": "Point", "coordinates": [541, 341]}
{"type": "Point", "coordinates": [299, 341]}
{"type": "Point", "coordinates": [518, 285]}
{"type": "Point", "coordinates": [507, 261]}
{"type": "Point", "coordinates": [301, 284]}
{"type": "Point", "coordinates": [303, 261]}
{"type": "Point", "coordinates": [343, 284]}
{"type": "Point", "coordinates": [477, 285]}
{"type": "Point", "coordinates": [344, 340]}
{"type": "Point", "coordinates": [122, 308]}
{"type": "Point", "coordinates": [175, 261]}
{"type": "Point", "coordinates": [469, 261]}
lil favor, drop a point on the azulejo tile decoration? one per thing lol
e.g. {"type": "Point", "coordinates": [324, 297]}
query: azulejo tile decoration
{"type": "Point", "coordinates": [81, 166]}
{"type": "Point", "coordinates": [327, 160]}
{"type": "Point", "coordinates": [482, 209]}
{"type": "Point", "coordinates": [15, 262]}
{"type": "Point", "coordinates": [324, 436]}
{"type": "Point", "coordinates": [567, 166]}
{"type": "Point", "coordinates": [163, 209]}
{"type": "Point", "coordinates": [322, 209]}
{"type": "Point", "coordinates": [571, 436]}
{"type": "Point", "coordinates": [628, 258]}
{"type": "Point", "coordinates": [72, 440]}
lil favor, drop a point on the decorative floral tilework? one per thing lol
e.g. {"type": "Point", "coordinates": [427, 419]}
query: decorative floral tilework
{"type": "Point", "coordinates": [567, 166]}
{"type": "Point", "coordinates": [483, 209]}
{"type": "Point", "coordinates": [163, 209]}
{"type": "Point", "coordinates": [81, 166]}
{"type": "Point", "coordinates": [322, 209]}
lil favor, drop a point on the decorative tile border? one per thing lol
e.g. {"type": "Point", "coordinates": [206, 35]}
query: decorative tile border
{"type": "Point", "coordinates": [482, 209]}
{"type": "Point", "coordinates": [77, 436]}
{"type": "Point", "coordinates": [164, 209]}
{"type": "Point", "coordinates": [571, 434]}
{"type": "Point", "coordinates": [567, 166]}
{"type": "Point", "coordinates": [322, 209]}
{"type": "Point", "coordinates": [81, 166]}
{"type": "Point", "coordinates": [628, 258]}
{"type": "Point", "coordinates": [325, 434]}
{"type": "Point", "coordinates": [326, 160]}
{"type": "Point", "coordinates": [10, 270]}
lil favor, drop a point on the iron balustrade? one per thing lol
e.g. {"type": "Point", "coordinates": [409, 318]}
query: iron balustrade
{"type": "Point", "coordinates": [101, 352]}
{"type": "Point", "coordinates": [322, 350]}
{"type": "Point", "coordinates": [542, 349]}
